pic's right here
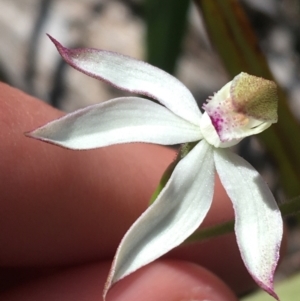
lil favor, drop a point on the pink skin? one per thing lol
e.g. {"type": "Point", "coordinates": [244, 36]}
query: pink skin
{"type": "Point", "coordinates": [58, 208]}
{"type": "Point", "coordinates": [162, 280]}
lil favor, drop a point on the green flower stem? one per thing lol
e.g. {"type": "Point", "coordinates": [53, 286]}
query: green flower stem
{"type": "Point", "coordinates": [164, 179]}
{"type": "Point", "coordinates": [211, 232]}
{"type": "Point", "coordinates": [289, 208]}
{"type": "Point", "coordinates": [183, 151]}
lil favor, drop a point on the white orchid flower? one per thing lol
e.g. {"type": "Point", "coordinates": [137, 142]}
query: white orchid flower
{"type": "Point", "coordinates": [245, 106]}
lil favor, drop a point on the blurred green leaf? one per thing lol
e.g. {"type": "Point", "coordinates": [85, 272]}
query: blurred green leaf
{"type": "Point", "coordinates": [232, 36]}
{"type": "Point", "coordinates": [166, 24]}
{"type": "Point", "coordinates": [288, 290]}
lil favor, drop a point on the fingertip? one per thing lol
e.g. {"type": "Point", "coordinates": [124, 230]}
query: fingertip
{"type": "Point", "coordinates": [171, 280]}
{"type": "Point", "coordinates": [164, 280]}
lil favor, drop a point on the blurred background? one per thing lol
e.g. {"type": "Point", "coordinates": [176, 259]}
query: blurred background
{"type": "Point", "coordinates": [29, 61]}
{"type": "Point", "coordinates": [203, 43]}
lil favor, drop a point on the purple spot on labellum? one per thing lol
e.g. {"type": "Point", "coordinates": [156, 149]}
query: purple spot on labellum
{"type": "Point", "coordinates": [217, 122]}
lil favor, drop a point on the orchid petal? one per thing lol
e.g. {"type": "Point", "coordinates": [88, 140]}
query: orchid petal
{"type": "Point", "coordinates": [177, 213]}
{"type": "Point", "coordinates": [258, 222]}
{"type": "Point", "coordinates": [135, 76]}
{"type": "Point", "coordinates": [121, 120]}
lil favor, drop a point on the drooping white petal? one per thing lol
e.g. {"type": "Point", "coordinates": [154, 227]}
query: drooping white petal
{"type": "Point", "coordinates": [121, 120]}
{"type": "Point", "coordinates": [177, 213]}
{"type": "Point", "coordinates": [258, 223]}
{"type": "Point", "coordinates": [135, 76]}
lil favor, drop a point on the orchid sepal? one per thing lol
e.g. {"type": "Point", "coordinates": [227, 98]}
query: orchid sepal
{"type": "Point", "coordinates": [121, 120]}
{"type": "Point", "coordinates": [134, 76]}
{"type": "Point", "coordinates": [258, 220]}
{"type": "Point", "coordinates": [173, 216]}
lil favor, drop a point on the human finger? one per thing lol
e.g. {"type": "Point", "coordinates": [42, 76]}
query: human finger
{"type": "Point", "coordinates": [162, 280]}
{"type": "Point", "coordinates": [60, 206]}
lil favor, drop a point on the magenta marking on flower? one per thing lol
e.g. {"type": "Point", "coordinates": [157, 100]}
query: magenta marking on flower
{"type": "Point", "coordinates": [217, 121]}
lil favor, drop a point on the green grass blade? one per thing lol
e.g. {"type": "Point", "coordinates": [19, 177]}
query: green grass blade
{"type": "Point", "coordinates": [166, 24]}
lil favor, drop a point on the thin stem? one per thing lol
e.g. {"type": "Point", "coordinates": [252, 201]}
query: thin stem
{"type": "Point", "coordinates": [183, 151]}
{"type": "Point", "coordinates": [289, 208]}
{"type": "Point", "coordinates": [210, 232]}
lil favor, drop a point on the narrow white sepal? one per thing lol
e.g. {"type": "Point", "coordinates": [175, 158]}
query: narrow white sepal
{"type": "Point", "coordinates": [258, 222]}
{"type": "Point", "coordinates": [135, 76]}
{"type": "Point", "coordinates": [176, 214]}
{"type": "Point", "coordinates": [121, 120]}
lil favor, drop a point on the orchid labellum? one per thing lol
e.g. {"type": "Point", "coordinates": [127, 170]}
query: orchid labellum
{"type": "Point", "coordinates": [245, 106]}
